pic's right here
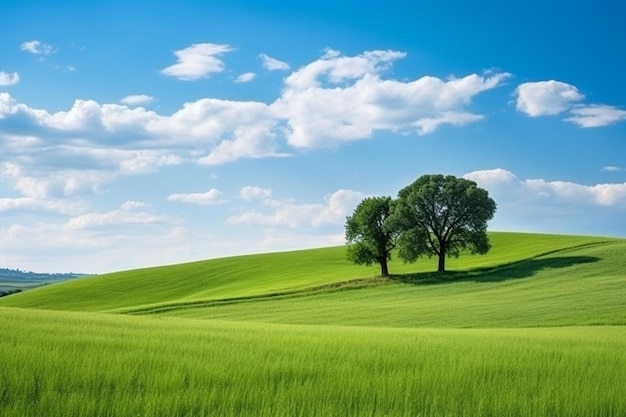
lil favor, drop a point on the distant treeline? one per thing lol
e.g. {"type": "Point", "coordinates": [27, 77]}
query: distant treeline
{"type": "Point", "coordinates": [9, 292]}
{"type": "Point", "coordinates": [19, 275]}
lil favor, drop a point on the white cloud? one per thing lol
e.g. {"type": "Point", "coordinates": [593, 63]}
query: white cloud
{"type": "Point", "coordinates": [332, 100]}
{"type": "Point", "coordinates": [332, 211]}
{"type": "Point", "coordinates": [338, 68]}
{"type": "Point", "coordinates": [545, 98]}
{"type": "Point", "coordinates": [565, 192]}
{"type": "Point", "coordinates": [428, 125]}
{"type": "Point", "coordinates": [211, 120]}
{"type": "Point", "coordinates": [40, 183]}
{"type": "Point", "coordinates": [489, 178]}
{"type": "Point", "coordinates": [197, 61]}
{"type": "Point", "coordinates": [31, 204]}
{"type": "Point", "coordinates": [211, 197]}
{"type": "Point", "coordinates": [612, 168]}
{"type": "Point", "coordinates": [256, 141]}
{"type": "Point", "coordinates": [7, 79]}
{"type": "Point", "coordinates": [88, 248]}
{"type": "Point", "coordinates": [337, 99]}
{"type": "Point", "coordinates": [273, 64]}
{"type": "Point", "coordinates": [37, 47]}
{"type": "Point", "coordinates": [250, 192]}
{"type": "Point", "coordinates": [553, 97]}
{"type": "Point", "coordinates": [596, 115]}
{"type": "Point", "coordinates": [143, 162]}
{"type": "Point", "coordinates": [135, 100]}
{"type": "Point", "coordinates": [245, 77]}
{"type": "Point", "coordinates": [600, 194]}
{"type": "Point", "coordinates": [131, 205]}
{"type": "Point", "coordinates": [128, 214]}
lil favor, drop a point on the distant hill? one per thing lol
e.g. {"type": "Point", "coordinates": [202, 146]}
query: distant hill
{"type": "Point", "coordinates": [16, 280]}
{"type": "Point", "coordinates": [527, 279]}
{"type": "Point", "coordinates": [19, 275]}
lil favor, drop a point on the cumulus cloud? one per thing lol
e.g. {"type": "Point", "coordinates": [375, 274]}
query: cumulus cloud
{"type": "Point", "coordinates": [253, 192]}
{"type": "Point", "coordinates": [31, 204]}
{"type": "Point", "coordinates": [565, 192]}
{"type": "Point", "coordinates": [197, 61]}
{"type": "Point", "coordinates": [599, 194]}
{"type": "Point", "coordinates": [546, 97]}
{"type": "Point", "coordinates": [138, 99]}
{"type": "Point", "coordinates": [245, 77]}
{"type": "Point", "coordinates": [596, 115]}
{"type": "Point", "coordinates": [37, 47]}
{"type": "Point", "coordinates": [256, 141]}
{"type": "Point", "coordinates": [332, 211]}
{"type": "Point", "coordinates": [40, 183]}
{"type": "Point", "coordinates": [491, 177]}
{"type": "Point", "coordinates": [428, 125]}
{"type": "Point", "coordinates": [89, 248]}
{"type": "Point", "coordinates": [338, 68]}
{"type": "Point", "coordinates": [211, 197]}
{"type": "Point", "coordinates": [273, 64]}
{"type": "Point", "coordinates": [130, 213]}
{"type": "Point", "coordinates": [332, 100]}
{"type": "Point", "coordinates": [338, 98]}
{"type": "Point", "coordinates": [7, 79]}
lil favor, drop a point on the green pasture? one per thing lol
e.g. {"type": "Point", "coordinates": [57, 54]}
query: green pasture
{"type": "Point", "coordinates": [578, 286]}
{"type": "Point", "coordinates": [537, 327]}
{"type": "Point", "coordinates": [263, 275]}
{"type": "Point", "coordinates": [85, 364]}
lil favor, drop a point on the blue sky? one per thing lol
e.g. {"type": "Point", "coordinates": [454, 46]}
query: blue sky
{"type": "Point", "coordinates": [152, 133]}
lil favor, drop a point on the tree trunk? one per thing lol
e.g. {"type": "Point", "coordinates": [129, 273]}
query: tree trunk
{"type": "Point", "coordinates": [442, 257]}
{"type": "Point", "coordinates": [384, 271]}
{"type": "Point", "coordinates": [442, 262]}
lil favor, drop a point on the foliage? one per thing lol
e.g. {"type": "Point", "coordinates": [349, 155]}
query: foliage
{"type": "Point", "coordinates": [442, 216]}
{"type": "Point", "coordinates": [368, 232]}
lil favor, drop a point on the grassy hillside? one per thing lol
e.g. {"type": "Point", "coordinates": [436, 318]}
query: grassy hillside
{"type": "Point", "coordinates": [308, 333]}
{"type": "Point", "coordinates": [59, 364]}
{"type": "Point", "coordinates": [579, 286]}
{"type": "Point", "coordinates": [261, 275]}
{"type": "Point", "coordinates": [534, 328]}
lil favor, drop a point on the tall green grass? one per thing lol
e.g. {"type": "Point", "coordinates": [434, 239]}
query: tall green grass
{"type": "Point", "coordinates": [84, 364]}
{"type": "Point", "coordinates": [534, 328]}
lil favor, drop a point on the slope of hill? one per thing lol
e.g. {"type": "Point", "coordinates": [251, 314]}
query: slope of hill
{"type": "Point", "coordinates": [307, 333]}
{"type": "Point", "coordinates": [15, 280]}
{"type": "Point", "coordinates": [205, 283]}
{"type": "Point", "coordinates": [578, 286]}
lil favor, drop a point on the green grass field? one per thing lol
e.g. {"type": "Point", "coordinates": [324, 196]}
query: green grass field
{"type": "Point", "coordinates": [535, 328]}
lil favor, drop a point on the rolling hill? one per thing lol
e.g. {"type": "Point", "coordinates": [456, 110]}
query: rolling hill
{"type": "Point", "coordinates": [325, 271]}
{"type": "Point", "coordinates": [535, 327]}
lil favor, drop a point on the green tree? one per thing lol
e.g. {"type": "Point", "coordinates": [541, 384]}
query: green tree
{"type": "Point", "coordinates": [369, 234]}
{"type": "Point", "coordinates": [442, 215]}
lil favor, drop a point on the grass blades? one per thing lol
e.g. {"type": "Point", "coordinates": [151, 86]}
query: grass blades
{"type": "Point", "coordinates": [534, 328]}
{"type": "Point", "coordinates": [84, 364]}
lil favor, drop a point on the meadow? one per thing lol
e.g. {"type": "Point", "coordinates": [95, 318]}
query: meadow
{"type": "Point", "coordinates": [535, 328]}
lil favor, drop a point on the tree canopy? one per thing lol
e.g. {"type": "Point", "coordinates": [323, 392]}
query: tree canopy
{"type": "Point", "coordinates": [369, 234]}
{"type": "Point", "coordinates": [442, 215]}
